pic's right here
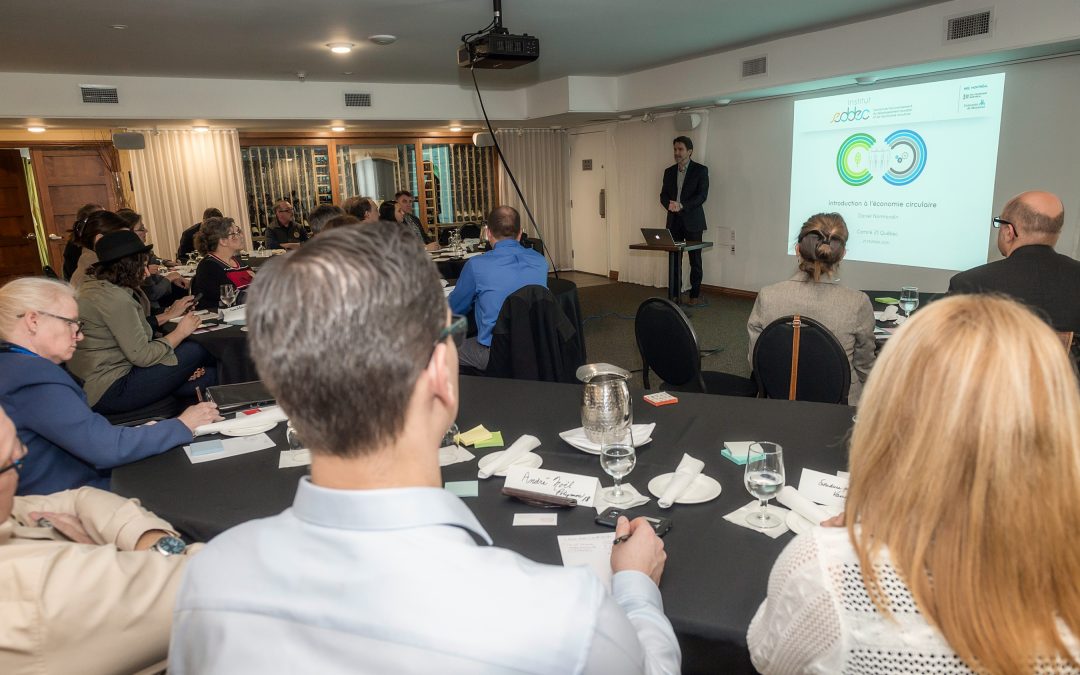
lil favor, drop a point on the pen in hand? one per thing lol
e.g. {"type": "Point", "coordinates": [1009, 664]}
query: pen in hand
{"type": "Point", "coordinates": [619, 540]}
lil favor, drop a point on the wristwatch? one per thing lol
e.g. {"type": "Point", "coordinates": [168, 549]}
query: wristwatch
{"type": "Point", "coordinates": [169, 545]}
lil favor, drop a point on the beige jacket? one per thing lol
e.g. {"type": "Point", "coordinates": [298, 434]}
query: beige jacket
{"type": "Point", "coordinates": [116, 338]}
{"type": "Point", "coordinates": [87, 258]}
{"type": "Point", "coordinates": [80, 608]}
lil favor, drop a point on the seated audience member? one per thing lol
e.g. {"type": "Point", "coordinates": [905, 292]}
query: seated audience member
{"type": "Point", "coordinates": [97, 225]}
{"type": "Point", "coordinates": [405, 200]}
{"type": "Point", "coordinates": [285, 232]}
{"type": "Point", "coordinates": [341, 221]}
{"type": "Point", "coordinates": [374, 510]}
{"type": "Point", "coordinates": [959, 553]}
{"type": "Point", "coordinates": [364, 208]}
{"type": "Point", "coordinates": [815, 292]}
{"type": "Point", "coordinates": [161, 287]}
{"type": "Point", "coordinates": [322, 214]}
{"type": "Point", "coordinates": [69, 445]}
{"type": "Point", "coordinates": [487, 280]}
{"type": "Point", "coordinates": [89, 577]}
{"type": "Point", "coordinates": [72, 249]}
{"type": "Point", "coordinates": [187, 238]}
{"type": "Point", "coordinates": [1032, 271]}
{"type": "Point", "coordinates": [220, 241]}
{"type": "Point", "coordinates": [122, 365]}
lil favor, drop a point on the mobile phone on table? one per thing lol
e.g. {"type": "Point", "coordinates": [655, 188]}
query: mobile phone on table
{"type": "Point", "coordinates": [610, 517]}
{"type": "Point", "coordinates": [194, 302]}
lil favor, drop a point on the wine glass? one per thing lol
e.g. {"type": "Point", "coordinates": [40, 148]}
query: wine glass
{"type": "Point", "coordinates": [450, 437]}
{"type": "Point", "coordinates": [228, 295]}
{"type": "Point", "coordinates": [617, 458]}
{"type": "Point", "coordinates": [297, 450]}
{"type": "Point", "coordinates": [909, 299]}
{"type": "Point", "coordinates": [764, 477]}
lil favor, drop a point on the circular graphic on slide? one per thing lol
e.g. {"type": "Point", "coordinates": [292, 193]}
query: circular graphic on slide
{"type": "Point", "coordinates": [853, 159]}
{"type": "Point", "coordinates": [907, 157]}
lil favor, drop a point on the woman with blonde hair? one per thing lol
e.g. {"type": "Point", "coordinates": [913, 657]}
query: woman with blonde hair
{"type": "Point", "coordinates": [814, 292]}
{"type": "Point", "coordinates": [959, 552]}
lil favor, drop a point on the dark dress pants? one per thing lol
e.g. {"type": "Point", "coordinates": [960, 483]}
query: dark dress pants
{"type": "Point", "coordinates": [143, 386]}
{"type": "Point", "coordinates": [679, 233]}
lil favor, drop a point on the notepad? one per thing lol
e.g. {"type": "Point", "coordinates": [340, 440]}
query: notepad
{"type": "Point", "coordinates": [739, 451]}
{"type": "Point", "coordinates": [472, 436]}
{"type": "Point", "coordinates": [496, 441]}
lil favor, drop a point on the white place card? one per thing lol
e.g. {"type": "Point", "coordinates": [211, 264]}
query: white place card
{"type": "Point", "coordinates": [208, 451]}
{"type": "Point", "coordinates": [521, 519]}
{"type": "Point", "coordinates": [291, 458]}
{"type": "Point", "coordinates": [589, 550]}
{"type": "Point", "coordinates": [558, 483]}
{"type": "Point", "coordinates": [823, 488]}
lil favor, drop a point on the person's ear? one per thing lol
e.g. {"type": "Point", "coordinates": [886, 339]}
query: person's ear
{"type": "Point", "coordinates": [441, 377]}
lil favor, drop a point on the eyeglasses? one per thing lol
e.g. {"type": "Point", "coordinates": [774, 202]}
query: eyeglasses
{"type": "Point", "coordinates": [235, 232]}
{"type": "Point", "coordinates": [459, 325]}
{"type": "Point", "coordinates": [998, 222]}
{"type": "Point", "coordinates": [17, 465]}
{"type": "Point", "coordinates": [284, 210]}
{"type": "Point", "coordinates": [78, 325]}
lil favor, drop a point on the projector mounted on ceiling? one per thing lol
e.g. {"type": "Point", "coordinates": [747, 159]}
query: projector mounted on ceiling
{"type": "Point", "coordinates": [496, 47]}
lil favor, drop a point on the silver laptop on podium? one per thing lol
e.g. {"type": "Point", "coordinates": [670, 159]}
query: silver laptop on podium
{"type": "Point", "coordinates": [659, 237]}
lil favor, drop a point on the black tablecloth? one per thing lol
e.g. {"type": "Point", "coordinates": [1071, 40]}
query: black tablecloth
{"type": "Point", "coordinates": [716, 572]}
{"type": "Point", "coordinates": [230, 347]}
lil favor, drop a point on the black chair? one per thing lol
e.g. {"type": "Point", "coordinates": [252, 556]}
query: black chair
{"type": "Point", "coordinates": [444, 235]}
{"type": "Point", "coordinates": [470, 231]}
{"type": "Point", "coordinates": [667, 344]}
{"type": "Point", "coordinates": [533, 339]}
{"type": "Point", "coordinates": [49, 272]}
{"type": "Point", "coordinates": [800, 348]}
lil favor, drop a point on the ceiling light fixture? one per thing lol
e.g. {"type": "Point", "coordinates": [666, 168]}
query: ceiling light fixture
{"type": "Point", "coordinates": [865, 79]}
{"type": "Point", "coordinates": [626, 116]}
{"type": "Point", "coordinates": [337, 128]}
{"type": "Point", "coordinates": [200, 128]}
{"type": "Point", "coordinates": [383, 40]}
{"type": "Point", "coordinates": [455, 129]}
{"type": "Point", "coordinates": [118, 26]}
{"type": "Point", "coordinates": [36, 129]}
{"type": "Point", "coordinates": [723, 101]}
{"type": "Point", "coordinates": [341, 47]}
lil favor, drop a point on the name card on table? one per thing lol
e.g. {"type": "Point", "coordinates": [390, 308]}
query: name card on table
{"type": "Point", "coordinates": [557, 483]}
{"type": "Point", "coordinates": [823, 488]}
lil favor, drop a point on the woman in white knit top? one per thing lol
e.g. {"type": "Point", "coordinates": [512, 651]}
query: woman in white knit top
{"type": "Point", "coordinates": [960, 551]}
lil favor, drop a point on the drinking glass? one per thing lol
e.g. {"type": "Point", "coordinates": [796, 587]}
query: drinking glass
{"type": "Point", "coordinates": [450, 438]}
{"type": "Point", "coordinates": [909, 299]}
{"type": "Point", "coordinates": [192, 258]}
{"type": "Point", "coordinates": [764, 477]}
{"type": "Point", "coordinates": [228, 295]}
{"type": "Point", "coordinates": [617, 458]}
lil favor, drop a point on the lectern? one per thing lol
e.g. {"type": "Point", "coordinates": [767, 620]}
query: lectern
{"type": "Point", "coordinates": [674, 261]}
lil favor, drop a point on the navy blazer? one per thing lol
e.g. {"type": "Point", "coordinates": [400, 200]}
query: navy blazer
{"type": "Point", "coordinates": [694, 193]}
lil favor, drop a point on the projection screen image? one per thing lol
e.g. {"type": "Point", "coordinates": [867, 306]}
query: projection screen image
{"type": "Point", "coordinates": [910, 168]}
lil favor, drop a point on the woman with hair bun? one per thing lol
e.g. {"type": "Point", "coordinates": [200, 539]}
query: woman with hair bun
{"type": "Point", "coordinates": [814, 292]}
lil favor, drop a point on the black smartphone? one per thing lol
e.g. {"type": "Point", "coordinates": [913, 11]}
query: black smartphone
{"type": "Point", "coordinates": [195, 302]}
{"type": "Point", "coordinates": [610, 516]}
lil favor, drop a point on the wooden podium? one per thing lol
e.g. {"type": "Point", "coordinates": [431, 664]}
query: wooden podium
{"type": "Point", "coordinates": [674, 262]}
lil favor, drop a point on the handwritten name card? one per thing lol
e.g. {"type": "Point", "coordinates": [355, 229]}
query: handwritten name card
{"type": "Point", "coordinates": [558, 483]}
{"type": "Point", "coordinates": [823, 488]}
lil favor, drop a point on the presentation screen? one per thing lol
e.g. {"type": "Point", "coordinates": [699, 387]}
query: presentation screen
{"type": "Point", "coordinates": [911, 169]}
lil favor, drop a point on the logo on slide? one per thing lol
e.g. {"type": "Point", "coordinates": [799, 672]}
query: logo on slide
{"type": "Point", "coordinates": [851, 115]}
{"type": "Point", "coordinates": [899, 160]}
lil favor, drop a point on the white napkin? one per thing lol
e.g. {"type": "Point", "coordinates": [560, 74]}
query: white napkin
{"type": "Point", "coordinates": [637, 499]}
{"type": "Point", "coordinates": [688, 469]}
{"type": "Point", "coordinates": [790, 497]}
{"type": "Point", "coordinates": [738, 517]}
{"type": "Point", "coordinates": [269, 414]}
{"type": "Point", "coordinates": [890, 313]}
{"type": "Point", "coordinates": [510, 455]}
{"type": "Point", "coordinates": [452, 454]}
{"type": "Point", "coordinates": [576, 437]}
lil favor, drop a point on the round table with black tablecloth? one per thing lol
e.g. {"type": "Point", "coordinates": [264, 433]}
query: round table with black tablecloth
{"type": "Point", "coordinates": [230, 347]}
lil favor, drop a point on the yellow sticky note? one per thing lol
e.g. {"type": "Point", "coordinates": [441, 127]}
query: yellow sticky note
{"type": "Point", "coordinates": [496, 441]}
{"type": "Point", "coordinates": [474, 435]}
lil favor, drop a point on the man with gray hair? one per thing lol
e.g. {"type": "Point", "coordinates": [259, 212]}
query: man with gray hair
{"type": "Point", "coordinates": [1032, 272]}
{"type": "Point", "coordinates": [376, 568]}
{"type": "Point", "coordinates": [322, 215]}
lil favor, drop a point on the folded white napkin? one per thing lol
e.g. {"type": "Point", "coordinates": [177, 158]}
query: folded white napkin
{"type": "Point", "coordinates": [453, 454]}
{"type": "Point", "coordinates": [637, 499]}
{"type": "Point", "coordinates": [265, 416]}
{"type": "Point", "coordinates": [576, 437]}
{"type": "Point", "coordinates": [510, 455]}
{"type": "Point", "coordinates": [790, 497]}
{"type": "Point", "coordinates": [688, 469]}
{"type": "Point", "coordinates": [738, 517]}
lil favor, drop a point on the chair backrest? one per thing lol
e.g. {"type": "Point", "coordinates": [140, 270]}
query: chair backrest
{"type": "Point", "coordinates": [533, 339]}
{"type": "Point", "coordinates": [470, 231]}
{"type": "Point", "coordinates": [822, 371]}
{"type": "Point", "coordinates": [667, 343]}
{"type": "Point", "coordinates": [49, 272]}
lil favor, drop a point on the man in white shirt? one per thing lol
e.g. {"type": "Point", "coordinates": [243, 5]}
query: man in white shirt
{"type": "Point", "coordinates": [376, 568]}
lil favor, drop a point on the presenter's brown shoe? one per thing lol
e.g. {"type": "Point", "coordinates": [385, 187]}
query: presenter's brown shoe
{"type": "Point", "coordinates": [694, 302]}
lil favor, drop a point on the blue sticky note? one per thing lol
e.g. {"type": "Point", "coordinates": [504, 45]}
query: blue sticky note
{"type": "Point", "coordinates": [464, 488]}
{"type": "Point", "coordinates": [206, 448]}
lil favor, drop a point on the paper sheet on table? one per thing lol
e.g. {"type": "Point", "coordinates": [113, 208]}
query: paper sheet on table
{"type": "Point", "coordinates": [290, 458]}
{"type": "Point", "coordinates": [453, 454]}
{"type": "Point", "coordinates": [589, 550]}
{"type": "Point", "coordinates": [738, 517]}
{"type": "Point", "coordinates": [208, 451]}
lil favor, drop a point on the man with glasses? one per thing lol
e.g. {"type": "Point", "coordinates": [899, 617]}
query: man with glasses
{"type": "Point", "coordinates": [1032, 272]}
{"type": "Point", "coordinates": [285, 233]}
{"type": "Point", "coordinates": [376, 568]}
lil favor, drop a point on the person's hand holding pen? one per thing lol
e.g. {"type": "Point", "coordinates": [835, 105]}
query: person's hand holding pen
{"type": "Point", "coordinates": [203, 412]}
{"type": "Point", "coordinates": [638, 548]}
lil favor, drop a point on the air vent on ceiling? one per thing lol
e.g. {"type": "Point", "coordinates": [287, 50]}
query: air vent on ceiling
{"type": "Point", "coordinates": [968, 26]}
{"type": "Point", "coordinates": [96, 93]}
{"type": "Point", "coordinates": [357, 100]}
{"type": "Point", "coordinates": [752, 67]}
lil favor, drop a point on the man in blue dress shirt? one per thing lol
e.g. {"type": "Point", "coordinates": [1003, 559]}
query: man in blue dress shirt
{"type": "Point", "coordinates": [376, 568]}
{"type": "Point", "coordinates": [487, 280]}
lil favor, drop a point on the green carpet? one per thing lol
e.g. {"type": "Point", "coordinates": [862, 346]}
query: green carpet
{"type": "Point", "coordinates": [608, 313]}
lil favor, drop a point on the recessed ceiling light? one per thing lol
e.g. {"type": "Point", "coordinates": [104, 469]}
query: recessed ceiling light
{"type": "Point", "coordinates": [347, 72]}
{"type": "Point", "coordinates": [341, 47]}
{"type": "Point", "coordinates": [723, 101]}
{"type": "Point", "coordinates": [455, 128]}
{"type": "Point", "coordinates": [383, 39]}
{"type": "Point", "coordinates": [201, 128]}
{"type": "Point", "coordinates": [36, 130]}
{"type": "Point", "coordinates": [337, 128]}
{"type": "Point", "coordinates": [865, 79]}
{"type": "Point", "coordinates": [118, 26]}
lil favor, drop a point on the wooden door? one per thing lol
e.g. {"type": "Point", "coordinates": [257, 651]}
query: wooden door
{"type": "Point", "coordinates": [68, 178]}
{"type": "Point", "coordinates": [18, 243]}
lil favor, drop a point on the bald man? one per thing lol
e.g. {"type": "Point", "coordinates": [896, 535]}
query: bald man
{"type": "Point", "coordinates": [1032, 271]}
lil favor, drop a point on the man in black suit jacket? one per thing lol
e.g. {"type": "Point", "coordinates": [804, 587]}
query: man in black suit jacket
{"type": "Point", "coordinates": [187, 237]}
{"type": "Point", "coordinates": [1032, 272]}
{"type": "Point", "coordinates": [685, 189]}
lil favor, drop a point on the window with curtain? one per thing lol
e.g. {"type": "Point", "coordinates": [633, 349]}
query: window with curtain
{"type": "Point", "coordinates": [459, 184]}
{"type": "Point", "coordinates": [299, 173]}
{"type": "Point", "coordinates": [376, 171]}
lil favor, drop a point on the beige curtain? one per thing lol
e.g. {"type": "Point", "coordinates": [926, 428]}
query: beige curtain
{"type": "Point", "coordinates": [538, 159]}
{"type": "Point", "coordinates": [181, 173]}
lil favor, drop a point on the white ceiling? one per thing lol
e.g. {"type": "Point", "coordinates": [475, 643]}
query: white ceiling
{"type": "Point", "coordinates": [273, 39]}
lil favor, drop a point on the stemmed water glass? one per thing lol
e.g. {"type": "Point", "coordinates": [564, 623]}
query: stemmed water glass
{"type": "Point", "coordinates": [228, 295]}
{"type": "Point", "coordinates": [764, 477]}
{"type": "Point", "coordinates": [617, 458]}
{"type": "Point", "coordinates": [909, 299]}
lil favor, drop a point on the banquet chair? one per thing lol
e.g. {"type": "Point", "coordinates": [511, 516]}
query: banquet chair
{"type": "Point", "coordinates": [533, 339]}
{"type": "Point", "coordinates": [799, 359]}
{"type": "Point", "coordinates": [668, 345]}
{"type": "Point", "coordinates": [470, 231]}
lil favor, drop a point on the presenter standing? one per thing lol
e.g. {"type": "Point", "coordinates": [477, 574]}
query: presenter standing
{"type": "Point", "coordinates": [685, 189]}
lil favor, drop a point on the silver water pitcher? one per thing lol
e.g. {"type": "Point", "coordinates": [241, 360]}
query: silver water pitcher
{"type": "Point", "coordinates": [605, 400]}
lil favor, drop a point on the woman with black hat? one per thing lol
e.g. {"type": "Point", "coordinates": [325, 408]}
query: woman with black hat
{"type": "Point", "coordinates": [122, 365]}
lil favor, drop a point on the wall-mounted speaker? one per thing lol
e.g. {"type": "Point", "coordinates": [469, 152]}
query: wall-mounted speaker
{"type": "Point", "coordinates": [128, 140]}
{"type": "Point", "coordinates": [483, 139]}
{"type": "Point", "coordinates": [687, 121]}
